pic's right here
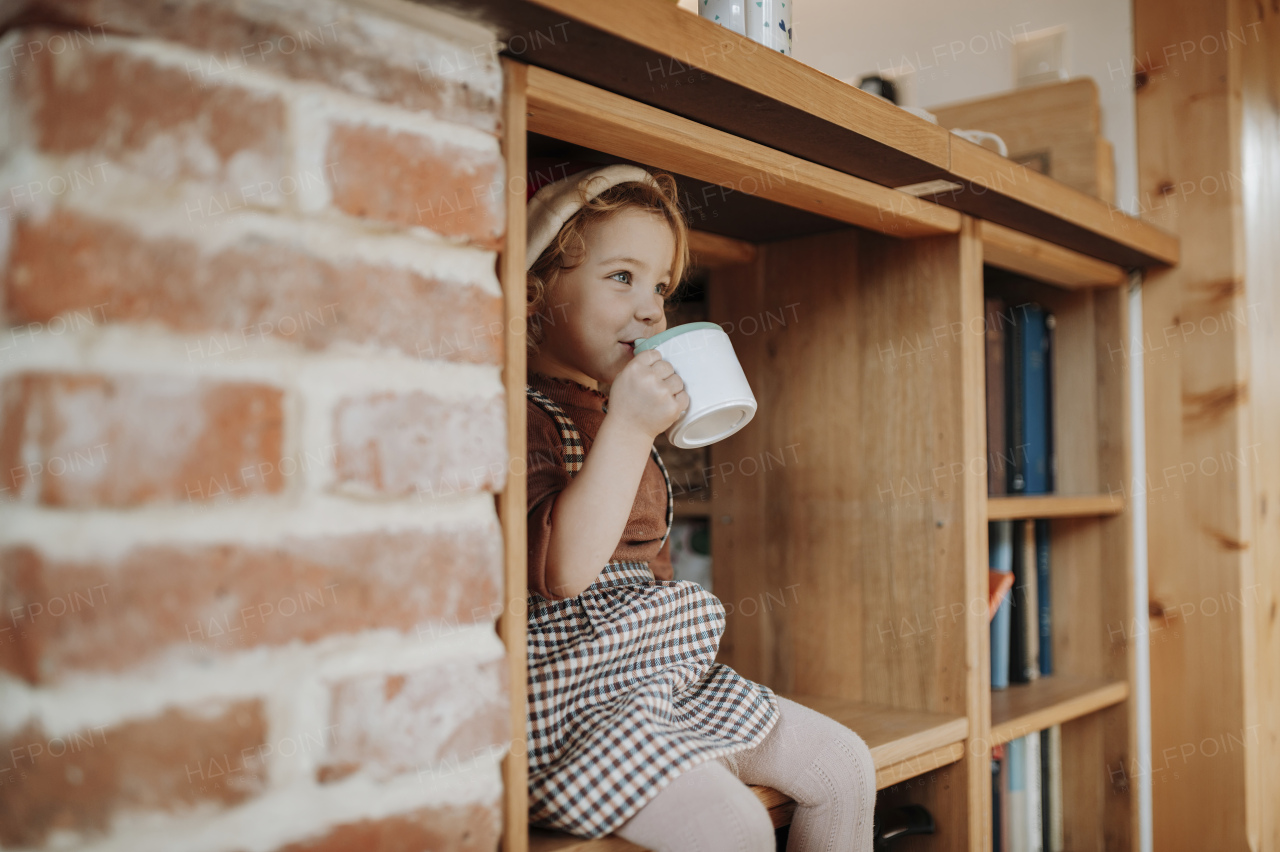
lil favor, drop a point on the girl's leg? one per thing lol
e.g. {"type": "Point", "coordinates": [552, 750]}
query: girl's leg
{"type": "Point", "coordinates": [826, 768]}
{"type": "Point", "coordinates": [706, 809]}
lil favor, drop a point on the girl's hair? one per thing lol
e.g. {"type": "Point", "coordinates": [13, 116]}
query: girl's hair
{"type": "Point", "coordinates": [570, 242]}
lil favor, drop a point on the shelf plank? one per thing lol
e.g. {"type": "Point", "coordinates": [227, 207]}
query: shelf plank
{"type": "Point", "coordinates": [713, 250]}
{"type": "Point", "coordinates": [582, 114]}
{"type": "Point", "coordinates": [673, 59]}
{"type": "Point", "coordinates": [890, 775]}
{"type": "Point", "coordinates": [655, 53]}
{"type": "Point", "coordinates": [997, 189]}
{"type": "Point", "coordinates": [1053, 506]}
{"type": "Point", "coordinates": [893, 735]}
{"type": "Point", "coordinates": [1023, 708]}
{"type": "Point", "coordinates": [1035, 258]}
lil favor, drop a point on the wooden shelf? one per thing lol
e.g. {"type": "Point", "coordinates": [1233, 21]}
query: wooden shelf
{"type": "Point", "coordinates": [1023, 708]}
{"type": "Point", "coordinates": [1015, 251]}
{"type": "Point", "coordinates": [903, 743]}
{"type": "Point", "coordinates": [657, 54]}
{"type": "Point", "coordinates": [1053, 506]}
{"type": "Point", "coordinates": [572, 111]}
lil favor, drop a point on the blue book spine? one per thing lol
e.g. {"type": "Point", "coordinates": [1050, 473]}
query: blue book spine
{"type": "Point", "coordinates": [1035, 398]}
{"type": "Point", "coordinates": [1042, 592]}
{"type": "Point", "coordinates": [1000, 552]}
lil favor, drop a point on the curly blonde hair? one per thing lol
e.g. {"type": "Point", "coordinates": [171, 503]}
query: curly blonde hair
{"type": "Point", "coordinates": [570, 241]}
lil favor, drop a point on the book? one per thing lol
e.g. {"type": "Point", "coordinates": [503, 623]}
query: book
{"type": "Point", "coordinates": [997, 797]}
{"type": "Point", "coordinates": [1031, 600]}
{"type": "Point", "coordinates": [1051, 739]}
{"type": "Point", "coordinates": [1000, 560]}
{"type": "Point", "coordinates": [1035, 813]}
{"type": "Point", "coordinates": [1016, 800]}
{"type": "Point", "coordinates": [1019, 659]}
{"type": "Point", "coordinates": [1028, 412]}
{"type": "Point", "coordinates": [1043, 597]}
{"type": "Point", "coordinates": [997, 472]}
{"type": "Point", "coordinates": [1050, 323]}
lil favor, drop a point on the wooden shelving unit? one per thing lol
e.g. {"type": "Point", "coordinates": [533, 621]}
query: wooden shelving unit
{"type": "Point", "coordinates": [876, 381]}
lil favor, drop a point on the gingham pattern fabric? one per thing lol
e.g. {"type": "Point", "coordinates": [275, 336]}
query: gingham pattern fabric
{"type": "Point", "coordinates": [624, 691]}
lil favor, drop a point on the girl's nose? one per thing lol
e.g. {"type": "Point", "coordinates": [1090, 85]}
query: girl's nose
{"type": "Point", "coordinates": [651, 308]}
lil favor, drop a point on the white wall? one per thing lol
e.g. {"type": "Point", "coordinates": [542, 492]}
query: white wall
{"type": "Point", "coordinates": [962, 51]}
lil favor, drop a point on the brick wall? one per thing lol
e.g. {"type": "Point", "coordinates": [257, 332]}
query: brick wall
{"type": "Point", "coordinates": [251, 428]}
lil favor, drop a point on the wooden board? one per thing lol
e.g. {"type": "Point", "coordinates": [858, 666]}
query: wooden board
{"type": "Point", "coordinates": [1207, 130]}
{"type": "Point", "coordinates": [1058, 124]}
{"type": "Point", "coordinates": [577, 112]}
{"type": "Point", "coordinates": [512, 502]}
{"type": "Point", "coordinates": [1024, 708]}
{"type": "Point", "coordinates": [659, 54]}
{"type": "Point", "coordinates": [641, 49]}
{"type": "Point", "coordinates": [1053, 506]}
{"type": "Point", "coordinates": [1035, 258]}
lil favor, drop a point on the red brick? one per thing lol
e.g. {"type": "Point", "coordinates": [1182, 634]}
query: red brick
{"type": "Point", "coordinates": [73, 440]}
{"type": "Point", "coordinates": [447, 828]}
{"type": "Point", "coordinates": [108, 614]}
{"type": "Point", "coordinates": [404, 443]}
{"type": "Point", "coordinates": [407, 179]}
{"type": "Point", "coordinates": [336, 46]}
{"type": "Point", "coordinates": [169, 762]}
{"type": "Point", "coordinates": [74, 264]}
{"type": "Point", "coordinates": [428, 721]}
{"type": "Point", "coordinates": [152, 118]}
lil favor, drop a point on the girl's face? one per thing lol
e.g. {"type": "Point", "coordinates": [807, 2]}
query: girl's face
{"type": "Point", "coordinates": [613, 296]}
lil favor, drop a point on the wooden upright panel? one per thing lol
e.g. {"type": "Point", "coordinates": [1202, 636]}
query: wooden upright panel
{"type": "Point", "coordinates": [1260, 165]}
{"type": "Point", "coordinates": [512, 508]}
{"type": "Point", "coordinates": [1198, 444]}
{"type": "Point", "coordinates": [849, 498]}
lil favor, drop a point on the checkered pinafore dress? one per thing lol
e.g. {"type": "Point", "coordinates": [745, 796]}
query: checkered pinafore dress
{"type": "Point", "coordinates": [624, 691]}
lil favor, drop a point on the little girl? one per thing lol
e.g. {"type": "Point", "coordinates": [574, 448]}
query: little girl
{"type": "Point", "coordinates": [633, 727]}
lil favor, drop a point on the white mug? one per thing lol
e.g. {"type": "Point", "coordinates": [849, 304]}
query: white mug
{"type": "Point", "coordinates": [769, 23]}
{"type": "Point", "coordinates": [720, 400]}
{"type": "Point", "coordinates": [727, 13]}
{"type": "Point", "coordinates": [977, 137]}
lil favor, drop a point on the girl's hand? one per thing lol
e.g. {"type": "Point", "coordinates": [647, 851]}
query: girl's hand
{"type": "Point", "coordinates": [647, 394]}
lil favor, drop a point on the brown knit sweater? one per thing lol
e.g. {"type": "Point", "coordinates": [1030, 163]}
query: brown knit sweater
{"type": "Point", "coordinates": [547, 477]}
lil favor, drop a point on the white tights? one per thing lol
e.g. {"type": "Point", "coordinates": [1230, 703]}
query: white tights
{"type": "Point", "coordinates": [810, 757]}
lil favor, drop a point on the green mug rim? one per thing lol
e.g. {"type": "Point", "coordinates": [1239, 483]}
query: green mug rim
{"type": "Point", "coordinates": [643, 343]}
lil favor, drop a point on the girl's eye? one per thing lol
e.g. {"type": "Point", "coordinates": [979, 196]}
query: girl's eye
{"type": "Point", "coordinates": [623, 272]}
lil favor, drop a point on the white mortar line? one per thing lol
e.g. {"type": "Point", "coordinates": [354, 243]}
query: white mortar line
{"type": "Point", "coordinates": [103, 535]}
{"type": "Point", "coordinates": [203, 681]}
{"type": "Point", "coordinates": [147, 348]}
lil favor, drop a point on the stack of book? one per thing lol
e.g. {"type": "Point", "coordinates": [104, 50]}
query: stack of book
{"type": "Point", "coordinates": [1019, 350]}
{"type": "Point", "coordinates": [1022, 627]}
{"type": "Point", "coordinates": [1026, 793]}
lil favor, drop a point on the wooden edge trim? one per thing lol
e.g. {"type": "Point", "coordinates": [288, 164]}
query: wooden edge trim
{"type": "Point", "coordinates": [1053, 506]}
{"type": "Point", "coordinates": [512, 508]}
{"type": "Point", "coordinates": [1040, 259]}
{"type": "Point", "coordinates": [927, 762]}
{"type": "Point", "coordinates": [577, 112]}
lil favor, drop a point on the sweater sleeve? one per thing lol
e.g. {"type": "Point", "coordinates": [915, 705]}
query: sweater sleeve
{"type": "Point", "coordinates": [546, 478]}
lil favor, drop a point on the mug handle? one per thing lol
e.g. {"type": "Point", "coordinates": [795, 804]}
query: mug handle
{"type": "Point", "coordinates": [976, 137]}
